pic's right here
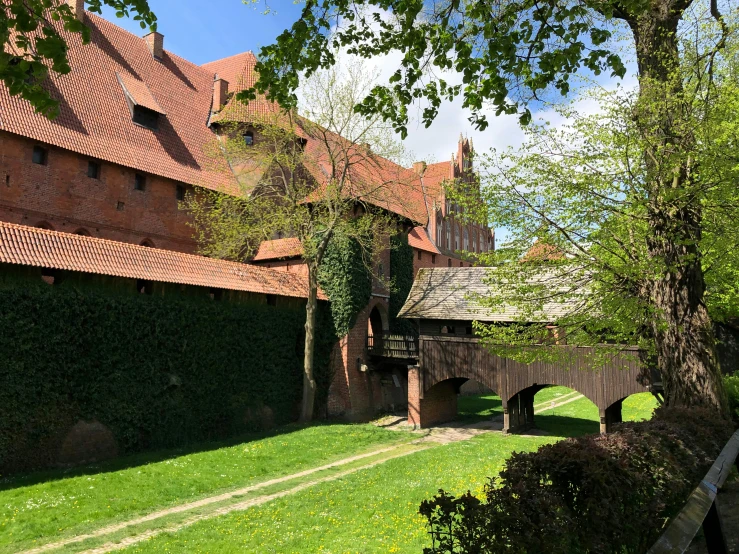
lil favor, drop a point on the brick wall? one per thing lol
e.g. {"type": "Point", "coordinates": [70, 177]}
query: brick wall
{"type": "Point", "coordinates": [62, 196]}
{"type": "Point", "coordinates": [428, 260]}
{"type": "Point", "coordinates": [439, 403]}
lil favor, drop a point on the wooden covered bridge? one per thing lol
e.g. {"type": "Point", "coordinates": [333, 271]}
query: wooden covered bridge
{"type": "Point", "coordinates": [448, 354]}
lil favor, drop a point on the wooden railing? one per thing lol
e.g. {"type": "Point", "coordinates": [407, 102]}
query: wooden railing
{"type": "Point", "coordinates": [701, 510]}
{"type": "Point", "coordinates": [388, 345]}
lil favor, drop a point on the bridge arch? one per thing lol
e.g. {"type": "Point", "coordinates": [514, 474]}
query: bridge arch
{"type": "Point", "coordinates": [449, 358]}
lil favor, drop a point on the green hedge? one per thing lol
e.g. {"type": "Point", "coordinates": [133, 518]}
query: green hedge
{"type": "Point", "coordinates": [158, 371]}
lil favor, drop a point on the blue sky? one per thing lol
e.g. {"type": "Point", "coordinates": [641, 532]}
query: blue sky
{"type": "Point", "coordinates": [203, 31]}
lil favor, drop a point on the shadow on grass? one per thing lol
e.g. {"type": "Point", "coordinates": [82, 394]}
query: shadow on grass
{"type": "Point", "coordinates": [563, 426]}
{"type": "Point", "coordinates": [479, 407]}
{"type": "Point", "coordinates": [144, 458]}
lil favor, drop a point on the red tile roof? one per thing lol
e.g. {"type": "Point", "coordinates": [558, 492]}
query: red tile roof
{"type": "Point", "coordinates": [418, 238]}
{"type": "Point", "coordinates": [372, 178]}
{"type": "Point", "coordinates": [42, 248]}
{"type": "Point", "coordinates": [95, 119]}
{"type": "Point", "coordinates": [278, 249]}
{"type": "Point", "coordinates": [433, 180]}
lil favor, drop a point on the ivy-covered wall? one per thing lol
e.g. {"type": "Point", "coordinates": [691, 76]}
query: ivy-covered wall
{"type": "Point", "coordinates": [401, 272]}
{"type": "Point", "coordinates": [347, 282]}
{"type": "Point", "coordinates": [157, 370]}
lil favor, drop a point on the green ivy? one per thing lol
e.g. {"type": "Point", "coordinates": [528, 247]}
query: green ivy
{"type": "Point", "coordinates": [401, 267]}
{"type": "Point", "coordinates": [345, 279]}
{"type": "Point", "coordinates": [158, 371]}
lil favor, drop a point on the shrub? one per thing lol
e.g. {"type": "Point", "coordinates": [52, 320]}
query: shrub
{"type": "Point", "coordinates": [597, 493]}
{"type": "Point", "coordinates": [731, 383]}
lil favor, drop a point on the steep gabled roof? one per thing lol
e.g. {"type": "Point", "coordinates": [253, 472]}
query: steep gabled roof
{"type": "Point", "coordinates": [95, 119]}
{"type": "Point", "coordinates": [450, 293]}
{"type": "Point", "coordinates": [42, 248]}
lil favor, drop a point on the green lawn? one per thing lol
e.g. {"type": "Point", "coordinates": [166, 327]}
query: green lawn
{"type": "Point", "coordinates": [371, 510]}
{"type": "Point", "coordinates": [374, 510]}
{"type": "Point", "coordinates": [52, 505]}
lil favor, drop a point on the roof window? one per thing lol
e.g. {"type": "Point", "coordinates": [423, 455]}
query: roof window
{"type": "Point", "coordinates": [145, 110]}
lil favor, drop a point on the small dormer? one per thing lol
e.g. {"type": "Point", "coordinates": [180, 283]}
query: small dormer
{"type": "Point", "coordinates": [144, 108]}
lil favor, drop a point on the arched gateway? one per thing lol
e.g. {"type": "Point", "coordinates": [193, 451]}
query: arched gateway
{"type": "Point", "coordinates": [449, 355]}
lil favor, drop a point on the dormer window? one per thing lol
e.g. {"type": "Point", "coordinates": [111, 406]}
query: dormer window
{"type": "Point", "coordinates": [146, 117]}
{"type": "Point", "coordinates": [249, 138]}
{"type": "Point", "coordinates": [145, 110]}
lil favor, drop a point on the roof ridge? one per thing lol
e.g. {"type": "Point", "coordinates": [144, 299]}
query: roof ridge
{"type": "Point", "coordinates": [245, 53]}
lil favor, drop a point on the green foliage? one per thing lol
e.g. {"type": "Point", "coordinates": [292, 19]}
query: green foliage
{"type": "Point", "coordinates": [32, 32]}
{"type": "Point", "coordinates": [346, 280]}
{"type": "Point", "coordinates": [504, 52]}
{"type": "Point", "coordinates": [157, 370]}
{"type": "Point", "coordinates": [401, 266]}
{"type": "Point", "coordinates": [596, 493]}
{"type": "Point", "coordinates": [731, 384]}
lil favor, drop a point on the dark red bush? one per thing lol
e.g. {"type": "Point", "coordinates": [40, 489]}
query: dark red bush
{"type": "Point", "coordinates": [597, 493]}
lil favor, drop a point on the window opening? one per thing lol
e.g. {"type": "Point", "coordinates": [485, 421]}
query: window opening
{"type": "Point", "coordinates": [93, 170]}
{"type": "Point", "coordinates": [139, 182]}
{"type": "Point", "coordinates": [180, 192]}
{"type": "Point", "coordinates": [248, 138]}
{"type": "Point", "coordinates": [40, 155]}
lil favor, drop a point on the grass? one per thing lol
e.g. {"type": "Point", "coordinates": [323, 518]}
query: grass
{"type": "Point", "coordinates": [371, 510]}
{"type": "Point", "coordinates": [374, 510]}
{"type": "Point", "coordinates": [52, 505]}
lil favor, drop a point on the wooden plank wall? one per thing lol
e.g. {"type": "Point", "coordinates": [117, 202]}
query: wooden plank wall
{"type": "Point", "coordinates": [446, 357]}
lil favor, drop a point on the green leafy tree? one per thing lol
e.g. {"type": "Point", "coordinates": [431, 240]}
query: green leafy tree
{"type": "Point", "coordinates": [509, 52]}
{"type": "Point", "coordinates": [33, 36]}
{"type": "Point", "coordinates": [320, 177]}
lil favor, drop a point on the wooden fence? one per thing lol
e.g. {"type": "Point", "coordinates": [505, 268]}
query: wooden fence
{"type": "Point", "coordinates": [700, 510]}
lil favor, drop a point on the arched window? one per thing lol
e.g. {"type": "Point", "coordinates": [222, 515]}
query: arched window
{"type": "Point", "coordinates": [248, 138]}
{"type": "Point", "coordinates": [45, 225]}
{"type": "Point", "coordinates": [438, 229]}
{"type": "Point", "coordinates": [147, 243]}
{"type": "Point", "coordinates": [448, 235]}
{"type": "Point", "coordinates": [82, 232]}
{"type": "Point", "coordinates": [474, 241]}
{"type": "Point", "coordinates": [466, 239]}
{"type": "Point", "coordinates": [456, 237]}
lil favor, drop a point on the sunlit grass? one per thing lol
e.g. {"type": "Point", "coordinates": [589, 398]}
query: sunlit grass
{"type": "Point", "coordinates": [51, 505]}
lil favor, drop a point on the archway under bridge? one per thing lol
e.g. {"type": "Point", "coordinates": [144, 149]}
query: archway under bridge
{"type": "Point", "coordinates": [447, 362]}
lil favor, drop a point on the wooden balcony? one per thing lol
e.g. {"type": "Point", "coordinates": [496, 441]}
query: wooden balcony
{"type": "Point", "coordinates": [388, 345]}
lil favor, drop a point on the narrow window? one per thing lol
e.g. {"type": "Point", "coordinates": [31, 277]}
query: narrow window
{"type": "Point", "coordinates": [461, 264]}
{"type": "Point", "coordinates": [39, 155]}
{"type": "Point", "coordinates": [433, 258]}
{"type": "Point", "coordinates": [248, 138]}
{"type": "Point", "coordinates": [139, 182]}
{"type": "Point", "coordinates": [180, 192]}
{"type": "Point", "coordinates": [7, 180]}
{"type": "Point", "coordinates": [419, 254]}
{"type": "Point", "coordinates": [120, 206]}
{"type": "Point", "coordinates": [449, 262]}
{"type": "Point", "coordinates": [82, 232]}
{"type": "Point", "coordinates": [448, 235]}
{"type": "Point", "coordinates": [466, 239]}
{"type": "Point", "coordinates": [93, 170]}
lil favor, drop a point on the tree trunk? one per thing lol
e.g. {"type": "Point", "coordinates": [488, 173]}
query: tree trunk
{"type": "Point", "coordinates": [309, 383]}
{"type": "Point", "coordinates": [683, 333]}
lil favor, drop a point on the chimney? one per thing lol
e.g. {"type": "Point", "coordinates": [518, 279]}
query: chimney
{"type": "Point", "coordinates": [220, 91]}
{"type": "Point", "coordinates": [419, 168]}
{"type": "Point", "coordinates": [78, 7]}
{"type": "Point", "coordinates": [155, 42]}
